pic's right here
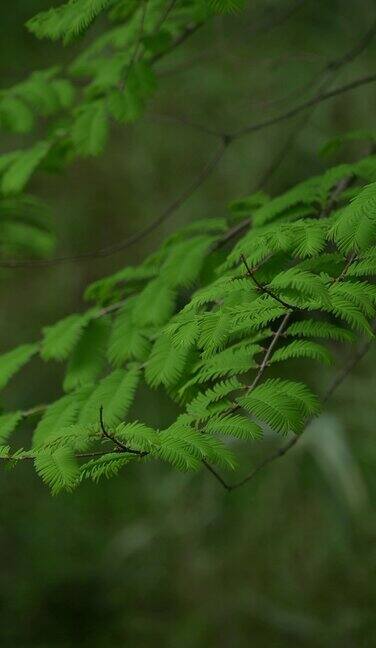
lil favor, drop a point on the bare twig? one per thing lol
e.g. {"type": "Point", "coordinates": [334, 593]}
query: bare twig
{"type": "Point", "coordinates": [263, 288]}
{"type": "Point", "coordinates": [123, 245]}
{"type": "Point", "coordinates": [269, 351]}
{"type": "Point", "coordinates": [281, 452]}
{"type": "Point", "coordinates": [217, 476]}
{"type": "Point", "coordinates": [227, 139]}
{"type": "Point", "coordinates": [319, 98]}
{"type": "Point", "coordinates": [137, 46]}
{"type": "Point", "coordinates": [121, 446]}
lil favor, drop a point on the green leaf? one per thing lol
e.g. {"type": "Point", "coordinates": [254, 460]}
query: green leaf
{"type": "Point", "coordinates": [214, 330]}
{"type": "Point", "coordinates": [176, 451]}
{"type": "Point", "coordinates": [106, 466]}
{"type": "Point", "coordinates": [68, 20]}
{"type": "Point", "coordinates": [138, 436]}
{"type": "Point", "coordinates": [60, 339]}
{"type": "Point", "coordinates": [59, 469]}
{"type": "Point", "coordinates": [8, 423]}
{"type": "Point", "coordinates": [226, 6]}
{"type": "Point", "coordinates": [200, 407]}
{"type": "Point", "coordinates": [128, 104]}
{"type": "Point", "coordinates": [154, 305]}
{"type": "Point", "coordinates": [282, 404]}
{"type": "Point", "coordinates": [184, 263]}
{"type": "Point", "coordinates": [15, 115]}
{"type": "Point", "coordinates": [236, 426]}
{"type": "Point", "coordinates": [166, 363]}
{"type": "Point", "coordinates": [12, 361]}
{"type": "Point", "coordinates": [128, 340]}
{"type": "Point", "coordinates": [89, 131]}
{"type": "Point", "coordinates": [303, 282]}
{"type": "Point", "coordinates": [354, 229]}
{"type": "Point", "coordinates": [115, 393]}
{"type": "Point", "coordinates": [302, 349]}
{"type": "Point", "coordinates": [60, 415]}
{"type": "Point", "coordinates": [88, 356]}
{"type": "Point", "coordinates": [310, 328]}
{"type": "Point", "coordinates": [23, 166]}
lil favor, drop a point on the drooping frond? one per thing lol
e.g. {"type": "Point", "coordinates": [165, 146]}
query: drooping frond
{"type": "Point", "coordinates": [12, 361]}
{"type": "Point", "coordinates": [310, 238]}
{"type": "Point", "coordinates": [68, 20]}
{"type": "Point", "coordinates": [202, 407]}
{"type": "Point", "coordinates": [59, 415]}
{"type": "Point", "coordinates": [214, 330]}
{"type": "Point", "coordinates": [155, 304]}
{"type": "Point", "coordinates": [326, 330]}
{"type": "Point", "coordinates": [344, 308]}
{"type": "Point", "coordinates": [128, 341]}
{"type": "Point", "coordinates": [183, 329]}
{"type": "Point", "coordinates": [303, 282]}
{"type": "Point", "coordinates": [166, 363]}
{"type": "Point", "coordinates": [233, 361]}
{"type": "Point", "coordinates": [226, 6]}
{"type": "Point", "coordinates": [60, 339]}
{"type": "Point", "coordinates": [58, 469]}
{"type": "Point", "coordinates": [8, 423]}
{"type": "Point", "coordinates": [236, 426]}
{"type": "Point", "coordinates": [76, 437]}
{"type": "Point", "coordinates": [138, 436]}
{"type": "Point", "coordinates": [21, 167]}
{"type": "Point", "coordinates": [184, 263]}
{"type": "Point", "coordinates": [88, 357]}
{"type": "Point", "coordinates": [354, 229]}
{"type": "Point", "coordinates": [282, 404]}
{"type": "Point", "coordinates": [115, 393]}
{"type": "Point", "coordinates": [90, 128]}
{"type": "Point", "coordinates": [106, 466]}
{"type": "Point", "coordinates": [363, 266]}
{"type": "Point", "coordinates": [207, 318]}
{"type": "Point", "coordinates": [302, 349]}
{"type": "Point", "coordinates": [175, 451]}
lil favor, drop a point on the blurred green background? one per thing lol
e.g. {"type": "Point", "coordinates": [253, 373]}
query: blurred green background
{"type": "Point", "coordinates": [154, 557]}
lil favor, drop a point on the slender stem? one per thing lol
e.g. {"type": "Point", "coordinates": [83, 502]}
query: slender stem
{"type": "Point", "coordinates": [227, 140]}
{"type": "Point", "coordinates": [121, 446]}
{"type": "Point", "coordinates": [217, 476]}
{"type": "Point", "coordinates": [282, 451]}
{"type": "Point", "coordinates": [269, 351]}
{"type": "Point", "coordinates": [137, 47]}
{"type": "Point", "coordinates": [319, 98]}
{"type": "Point", "coordinates": [263, 288]}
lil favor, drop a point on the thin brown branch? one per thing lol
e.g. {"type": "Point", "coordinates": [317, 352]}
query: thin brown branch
{"type": "Point", "coordinates": [123, 245]}
{"type": "Point", "coordinates": [137, 48]}
{"type": "Point", "coordinates": [165, 15]}
{"type": "Point", "coordinates": [217, 476]}
{"type": "Point", "coordinates": [178, 119]}
{"type": "Point", "coordinates": [261, 370]}
{"type": "Point", "coordinates": [199, 180]}
{"type": "Point", "coordinates": [263, 288]}
{"type": "Point", "coordinates": [317, 99]}
{"type": "Point", "coordinates": [79, 455]}
{"type": "Point", "coordinates": [227, 139]}
{"type": "Point", "coordinates": [269, 351]}
{"type": "Point", "coordinates": [337, 382]}
{"type": "Point", "coordinates": [121, 446]}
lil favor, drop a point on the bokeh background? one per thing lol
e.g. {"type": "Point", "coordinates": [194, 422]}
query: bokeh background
{"type": "Point", "coordinates": [154, 557]}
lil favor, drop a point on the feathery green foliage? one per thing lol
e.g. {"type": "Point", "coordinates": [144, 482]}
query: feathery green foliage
{"type": "Point", "coordinates": [59, 470]}
{"type": "Point", "coordinates": [210, 318]}
{"type": "Point", "coordinates": [12, 361]}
